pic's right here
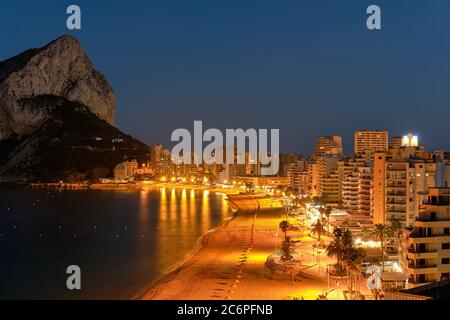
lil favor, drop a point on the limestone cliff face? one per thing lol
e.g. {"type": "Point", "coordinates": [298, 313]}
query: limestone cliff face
{"type": "Point", "coordinates": [60, 69]}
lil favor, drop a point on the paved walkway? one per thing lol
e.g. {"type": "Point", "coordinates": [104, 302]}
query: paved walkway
{"type": "Point", "coordinates": [231, 263]}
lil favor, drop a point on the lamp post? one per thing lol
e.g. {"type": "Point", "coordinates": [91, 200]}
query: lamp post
{"type": "Point", "coordinates": [328, 278]}
{"type": "Point", "coordinates": [276, 238]}
{"type": "Point", "coordinates": [318, 259]}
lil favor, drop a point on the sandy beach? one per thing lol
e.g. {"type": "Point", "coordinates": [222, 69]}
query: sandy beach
{"type": "Point", "coordinates": [230, 262]}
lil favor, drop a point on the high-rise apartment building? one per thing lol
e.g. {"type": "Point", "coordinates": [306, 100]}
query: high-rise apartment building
{"type": "Point", "coordinates": [156, 153]}
{"type": "Point", "coordinates": [357, 191]}
{"type": "Point", "coordinates": [396, 143]}
{"type": "Point", "coordinates": [428, 251]}
{"type": "Point", "coordinates": [399, 179]}
{"type": "Point", "coordinates": [125, 170]}
{"type": "Point", "coordinates": [298, 175]}
{"type": "Point", "coordinates": [285, 161]}
{"type": "Point", "coordinates": [327, 178]}
{"type": "Point", "coordinates": [313, 179]}
{"type": "Point", "coordinates": [330, 145]}
{"type": "Point", "coordinates": [370, 141]}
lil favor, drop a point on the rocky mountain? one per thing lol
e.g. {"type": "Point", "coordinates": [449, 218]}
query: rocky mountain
{"type": "Point", "coordinates": [61, 69]}
{"type": "Point", "coordinates": [56, 118]}
{"type": "Point", "coordinates": [72, 145]}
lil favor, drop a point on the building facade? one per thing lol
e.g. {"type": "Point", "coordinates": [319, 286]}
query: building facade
{"type": "Point", "coordinates": [400, 177]}
{"type": "Point", "coordinates": [370, 141]}
{"type": "Point", "coordinates": [328, 145]}
{"type": "Point", "coordinates": [125, 170]}
{"type": "Point", "coordinates": [429, 243]}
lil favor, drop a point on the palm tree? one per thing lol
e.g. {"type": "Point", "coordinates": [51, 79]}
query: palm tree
{"type": "Point", "coordinates": [342, 240]}
{"type": "Point", "coordinates": [284, 226]}
{"type": "Point", "coordinates": [318, 228]}
{"type": "Point", "coordinates": [381, 232]}
{"type": "Point", "coordinates": [396, 228]}
{"type": "Point", "coordinates": [316, 200]}
{"type": "Point", "coordinates": [353, 258]}
{"type": "Point", "coordinates": [289, 191]}
{"type": "Point", "coordinates": [287, 247]}
{"type": "Point", "coordinates": [325, 213]}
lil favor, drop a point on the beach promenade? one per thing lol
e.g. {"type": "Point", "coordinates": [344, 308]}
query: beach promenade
{"type": "Point", "coordinates": [230, 263]}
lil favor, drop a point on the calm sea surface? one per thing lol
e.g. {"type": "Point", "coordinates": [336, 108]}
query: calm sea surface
{"type": "Point", "coordinates": [121, 240]}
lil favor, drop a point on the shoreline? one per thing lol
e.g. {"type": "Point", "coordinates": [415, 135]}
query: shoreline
{"type": "Point", "coordinates": [158, 287]}
{"type": "Point", "coordinates": [122, 187]}
{"type": "Point", "coordinates": [231, 262]}
{"type": "Point", "coordinates": [179, 265]}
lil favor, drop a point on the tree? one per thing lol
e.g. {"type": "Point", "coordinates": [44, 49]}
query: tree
{"type": "Point", "coordinates": [318, 228]}
{"type": "Point", "coordinates": [381, 232]}
{"type": "Point", "coordinates": [287, 247]}
{"type": "Point", "coordinates": [325, 212]}
{"type": "Point", "coordinates": [284, 226]}
{"type": "Point", "coordinates": [289, 191]}
{"type": "Point", "coordinates": [396, 227]}
{"type": "Point", "coordinates": [342, 240]}
{"type": "Point", "coordinates": [353, 258]}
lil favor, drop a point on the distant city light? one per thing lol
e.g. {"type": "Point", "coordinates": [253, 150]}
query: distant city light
{"type": "Point", "coordinates": [367, 244]}
{"type": "Point", "coordinates": [410, 140]}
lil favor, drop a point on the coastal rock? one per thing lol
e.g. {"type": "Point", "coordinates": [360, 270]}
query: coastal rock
{"type": "Point", "coordinates": [59, 69]}
{"type": "Point", "coordinates": [73, 145]}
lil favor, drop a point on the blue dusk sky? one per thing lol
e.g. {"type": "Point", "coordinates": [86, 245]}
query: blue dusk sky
{"type": "Point", "coordinates": [309, 68]}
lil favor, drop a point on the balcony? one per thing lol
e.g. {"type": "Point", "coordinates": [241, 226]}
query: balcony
{"type": "Point", "coordinates": [432, 223]}
{"type": "Point", "coordinates": [395, 212]}
{"type": "Point", "coordinates": [395, 186]}
{"type": "Point", "coordinates": [395, 194]}
{"type": "Point", "coordinates": [421, 251]}
{"type": "Point", "coordinates": [422, 266]}
{"type": "Point", "coordinates": [396, 200]}
{"type": "Point", "coordinates": [422, 269]}
{"type": "Point", "coordinates": [428, 235]}
{"type": "Point", "coordinates": [419, 282]}
{"type": "Point", "coordinates": [422, 254]}
{"type": "Point", "coordinates": [424, 238]}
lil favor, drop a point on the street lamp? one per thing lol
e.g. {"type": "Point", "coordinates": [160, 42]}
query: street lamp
{"type": "Point", "coordinates": [328, 277]}
{"type": "Point", "coordinates": [276, 237]}
{"type": "Point", "coordinates": [318, 259]}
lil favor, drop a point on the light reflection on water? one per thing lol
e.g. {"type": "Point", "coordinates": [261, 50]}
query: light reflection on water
{"type": "Point", "coordinates": [125, 239]}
